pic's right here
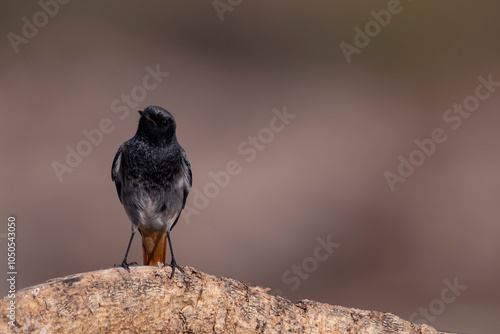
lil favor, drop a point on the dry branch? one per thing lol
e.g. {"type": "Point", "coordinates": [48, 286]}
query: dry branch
{"type": "Point", "coordinates": [145, 300]}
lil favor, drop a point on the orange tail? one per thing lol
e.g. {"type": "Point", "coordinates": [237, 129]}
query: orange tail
{"type": "Point", "coordinates": [154, 246]}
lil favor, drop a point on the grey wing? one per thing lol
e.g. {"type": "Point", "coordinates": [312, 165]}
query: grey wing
{"type": "Point", "coordinates": [115, 169]}
{"type": "Point", "coordinates": [188, 174]}
{"type": "Point", "coordinates": [187, 182]}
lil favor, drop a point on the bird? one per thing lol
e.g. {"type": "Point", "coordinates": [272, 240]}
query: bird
{"type": "Point", "coordinates": [152, 175]}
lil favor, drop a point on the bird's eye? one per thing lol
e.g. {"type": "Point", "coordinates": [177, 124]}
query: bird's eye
{"type": "Point", "coordinates": [164, 123]}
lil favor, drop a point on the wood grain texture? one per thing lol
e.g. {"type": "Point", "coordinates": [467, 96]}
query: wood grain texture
{"type": "Point", "coordinates": [145, 300]}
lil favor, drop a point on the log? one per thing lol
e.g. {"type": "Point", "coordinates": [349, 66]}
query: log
{"type": "Point", "coordinates": [146, 300]}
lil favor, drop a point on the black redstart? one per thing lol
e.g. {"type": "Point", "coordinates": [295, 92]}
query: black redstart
{"type": "Point", "coordinates": [153, 177]}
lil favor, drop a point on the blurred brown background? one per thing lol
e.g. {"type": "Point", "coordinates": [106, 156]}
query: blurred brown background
{"type": "Point", "coordinates": [322, 175]}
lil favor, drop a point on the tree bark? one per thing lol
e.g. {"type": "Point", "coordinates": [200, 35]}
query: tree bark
{"type": "Point", "coordinates": [146, 300]}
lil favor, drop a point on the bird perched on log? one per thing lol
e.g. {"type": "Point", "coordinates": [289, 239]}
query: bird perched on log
{"type": "Point", "coordinates": [153, 177]}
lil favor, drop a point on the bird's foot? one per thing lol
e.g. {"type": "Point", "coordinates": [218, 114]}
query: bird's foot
{"type": "Point", "coordinates": [125, 265]}
{"type": "Point", "coordinates": [174, 265]}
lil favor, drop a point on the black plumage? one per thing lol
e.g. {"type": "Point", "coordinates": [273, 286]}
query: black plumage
{"type": "Point", "coordinates": [153, 177]}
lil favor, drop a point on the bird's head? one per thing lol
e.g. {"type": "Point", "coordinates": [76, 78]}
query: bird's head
{"type": "Point", "coordinates": [156, 124]}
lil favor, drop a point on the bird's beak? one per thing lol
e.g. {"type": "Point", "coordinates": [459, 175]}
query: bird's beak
{"type": "Point", "coordinates": [146, 116]}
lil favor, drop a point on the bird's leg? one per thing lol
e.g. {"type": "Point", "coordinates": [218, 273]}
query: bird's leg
{"type": "Point", "coordinates": [173, 264]}
{"type": "Point", "coordinates": [124, 263]}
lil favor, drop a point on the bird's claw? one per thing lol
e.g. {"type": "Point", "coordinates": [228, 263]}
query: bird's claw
{"type": "Point", "coordinates": [126, 265]}
{"type": "Point", "coordinates": [174, 265]}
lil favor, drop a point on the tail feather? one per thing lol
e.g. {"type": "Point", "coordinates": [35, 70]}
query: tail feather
{"type": "Point", "coordinates": [154, 246]}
